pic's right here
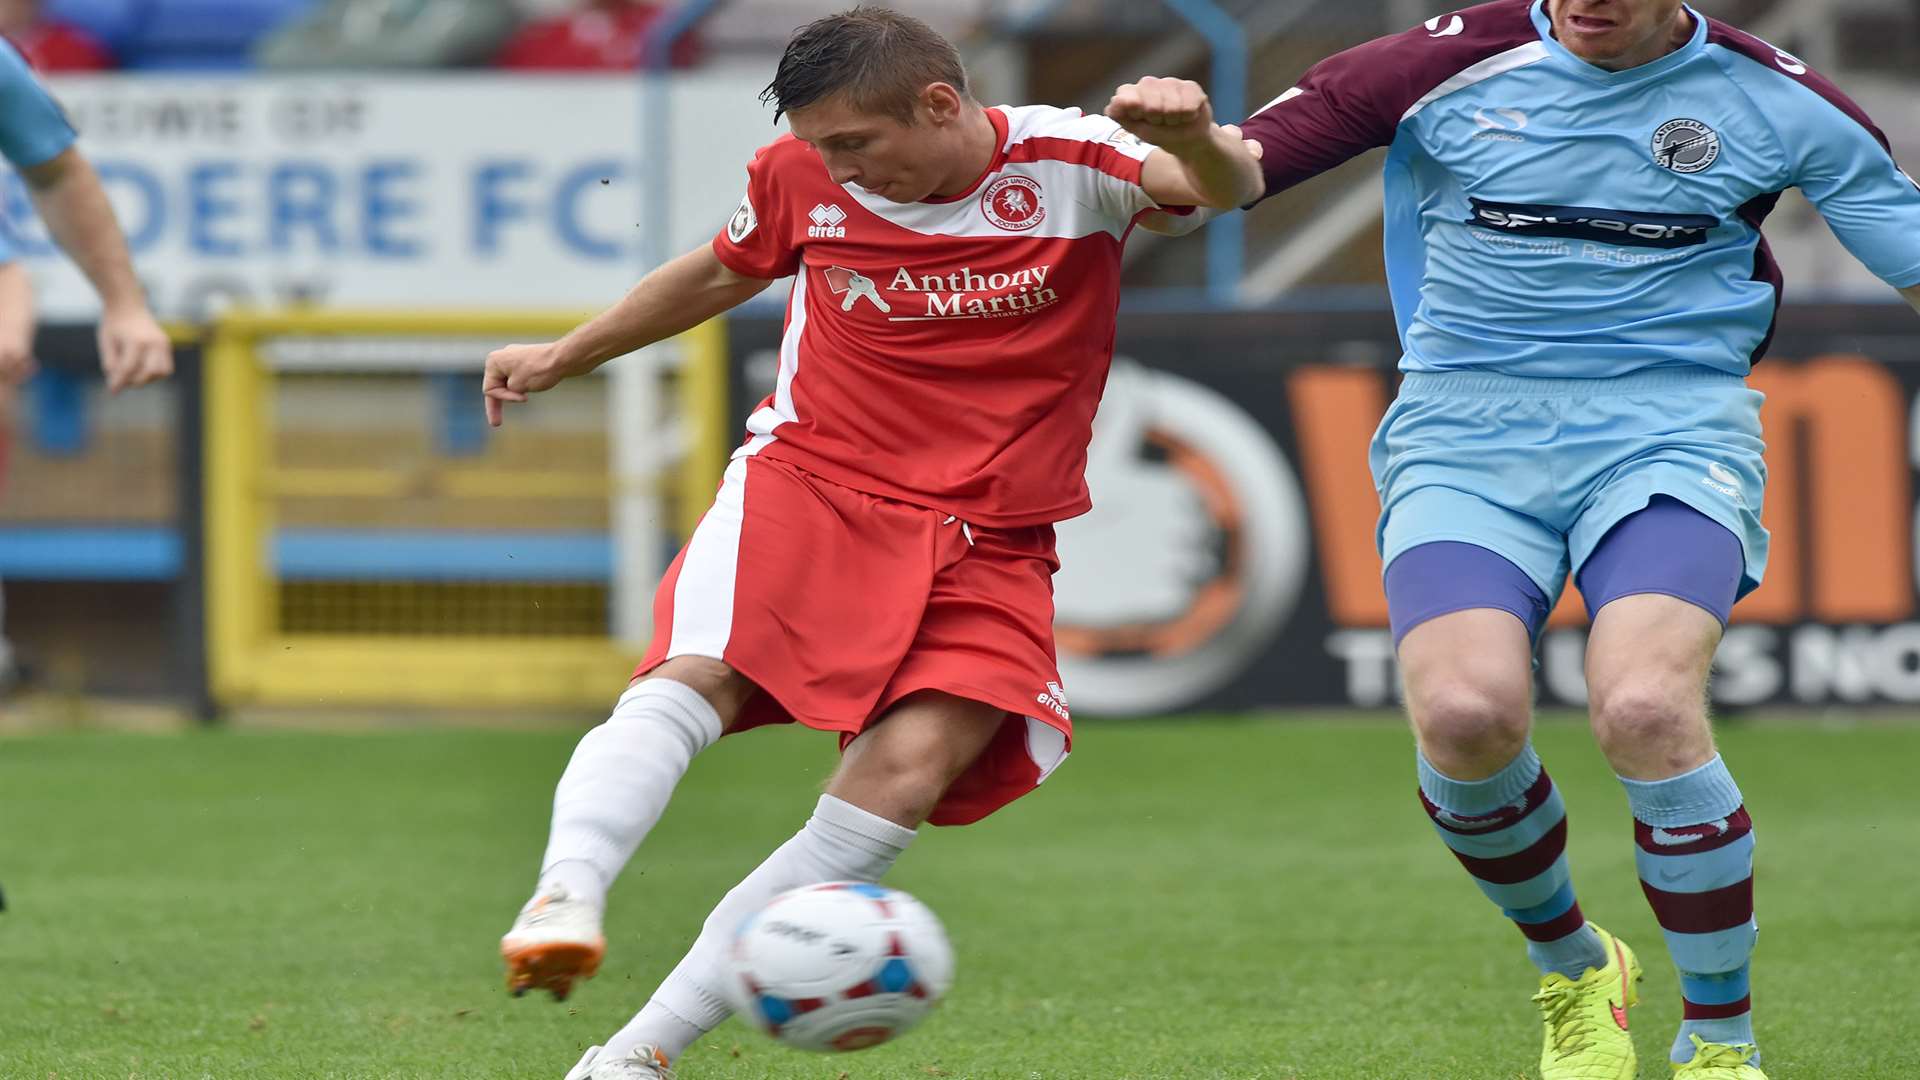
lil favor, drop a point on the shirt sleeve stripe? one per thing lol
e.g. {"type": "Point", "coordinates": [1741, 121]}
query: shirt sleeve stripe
{"type": "Point", "coordinates": [1094, 155]}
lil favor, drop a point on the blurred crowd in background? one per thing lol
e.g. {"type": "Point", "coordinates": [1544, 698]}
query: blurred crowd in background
{"type": "Point", "coordinates": [537, 35]}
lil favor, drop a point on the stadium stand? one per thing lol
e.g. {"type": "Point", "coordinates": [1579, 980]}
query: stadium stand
{"type": "Point", "coordinates": [602, 35]}
{"type": "Point", "coordinates": [177, 34]}
{"type": "Point", "coordinates": [49, 44]}
{"type": "Point", "coordinates": [389, 34]}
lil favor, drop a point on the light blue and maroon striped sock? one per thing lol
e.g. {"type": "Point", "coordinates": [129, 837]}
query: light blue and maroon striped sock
{"type": "Point", "coordinates": [1510, 832]}
{"type": "Point", "coordinates": [1694, 847]}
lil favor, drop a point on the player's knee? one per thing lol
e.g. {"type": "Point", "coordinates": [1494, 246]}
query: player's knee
{"type": "Point", "coordinates": [725, 689]}
{"type": "Point", "coordinates": [1645, 714]}
{"type": "Point", "coordinates": [1471, 720]}
{"type": "Point", "coordinates": [663, 712]}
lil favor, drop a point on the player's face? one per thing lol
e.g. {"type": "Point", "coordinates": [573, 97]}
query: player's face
{"type": "Point", "coordinates": [899, 162]}
{"type": "Point", "coordinates": [1619, 34]}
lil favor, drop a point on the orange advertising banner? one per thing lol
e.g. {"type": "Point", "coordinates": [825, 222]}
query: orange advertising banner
{"type": "Point", "coordinates": [1230, 561]}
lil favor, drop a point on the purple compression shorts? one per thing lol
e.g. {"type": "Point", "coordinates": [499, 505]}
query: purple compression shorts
{"type": "Point", "coordinates": [1667, 548]}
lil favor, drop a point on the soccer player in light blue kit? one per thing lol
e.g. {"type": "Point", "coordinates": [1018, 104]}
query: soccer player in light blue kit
{"type": "Point", "coordinates": [36, 139]}
{"type": "Point", "coordinates": [1574, 190]}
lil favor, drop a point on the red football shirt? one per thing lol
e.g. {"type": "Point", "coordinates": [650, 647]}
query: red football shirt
{"type": "Point", "coordinates": [947, 353]}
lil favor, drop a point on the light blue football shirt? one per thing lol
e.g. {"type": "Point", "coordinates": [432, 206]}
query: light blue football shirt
{"type": "Point", "coordinates": [1548, 218]}
{"type": "Point", "coordinates": [33, 129]}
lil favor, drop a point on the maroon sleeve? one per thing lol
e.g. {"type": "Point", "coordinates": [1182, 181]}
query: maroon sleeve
{"type": "Point", "coordinates": [1353, 101]}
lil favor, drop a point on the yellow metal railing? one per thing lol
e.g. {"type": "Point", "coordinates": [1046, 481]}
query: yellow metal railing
{"type": "Point", "coordinates": [254, 659]}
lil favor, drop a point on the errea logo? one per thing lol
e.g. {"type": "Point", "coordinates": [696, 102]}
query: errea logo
{"type": "Point", "coordinates": [826, 218]}
{"type": "Point", "coordinates": [1055, 698]}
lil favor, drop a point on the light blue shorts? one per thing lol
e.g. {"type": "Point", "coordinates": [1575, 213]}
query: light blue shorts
{"type": "Point", "coordinates": [1538, 470]}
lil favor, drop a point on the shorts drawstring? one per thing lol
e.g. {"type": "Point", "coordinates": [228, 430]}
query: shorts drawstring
{"type": "Point", "coordinates": [966, 530]}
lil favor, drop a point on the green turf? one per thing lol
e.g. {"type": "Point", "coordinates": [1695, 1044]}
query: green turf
{"type": "Point", "coordinates": [1184, 899]}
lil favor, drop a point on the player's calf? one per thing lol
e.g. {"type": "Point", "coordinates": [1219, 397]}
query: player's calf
{"type": "Point", "coordinates": [840, 842]}
{"type": "Point", "coordinates": [1693, 847]}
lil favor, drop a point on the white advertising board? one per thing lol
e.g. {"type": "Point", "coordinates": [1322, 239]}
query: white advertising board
{"type": "Point", "coordinates": [448, 191]}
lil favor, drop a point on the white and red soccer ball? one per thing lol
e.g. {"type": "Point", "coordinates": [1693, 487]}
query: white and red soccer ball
{"type": "Point", "coordinates": [840, 966]}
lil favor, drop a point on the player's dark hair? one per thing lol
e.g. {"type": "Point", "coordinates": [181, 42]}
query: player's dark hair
{"type": "Point", "coordinates": [879, 58]}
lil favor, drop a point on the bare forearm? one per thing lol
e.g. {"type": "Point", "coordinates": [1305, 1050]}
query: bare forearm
{"type": "Point", "coordinates": [1220, 169]}
{"type": "Point", "coordinates": [16, 305]}
{"type": "Point", "coordinates": [67, 193]}
{"type": "Point", "coordinates": [16, 327]}
{"type": "Point", "coordinates": [670, 300]}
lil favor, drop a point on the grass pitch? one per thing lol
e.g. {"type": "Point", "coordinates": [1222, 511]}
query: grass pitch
{"type": "Point", "coordinates": [1201, 898]}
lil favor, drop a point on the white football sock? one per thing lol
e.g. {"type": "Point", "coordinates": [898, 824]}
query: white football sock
{"type": "Point", "coordinates": [841, 842]}
{"type": "Point", "coordinates": [618, 783]}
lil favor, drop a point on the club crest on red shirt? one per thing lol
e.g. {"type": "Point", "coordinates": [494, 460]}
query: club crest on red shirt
{"type": "Point", "coordinates": [1013, 203]}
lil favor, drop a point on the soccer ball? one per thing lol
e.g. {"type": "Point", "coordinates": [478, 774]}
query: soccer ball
{"type": "Point", "coordinates": [840, 966]}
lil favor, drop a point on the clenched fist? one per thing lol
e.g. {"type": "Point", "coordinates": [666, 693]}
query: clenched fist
{"type": "Point", "coordinates": [1165, 112]}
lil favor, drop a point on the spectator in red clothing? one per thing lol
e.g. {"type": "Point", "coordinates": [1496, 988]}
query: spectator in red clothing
{"type": "Point", "coordinates": [51, 46]}
{"type": "Point", "coordinates": [602, 35]}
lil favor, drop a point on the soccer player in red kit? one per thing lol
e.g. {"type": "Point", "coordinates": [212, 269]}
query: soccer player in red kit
{"type": "Point", "coordinates": [877, 562]}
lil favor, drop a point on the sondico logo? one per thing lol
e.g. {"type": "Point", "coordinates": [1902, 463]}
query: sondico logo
{"type": "Point", "coordinates": [826, 218]}
{"type": "Point", "coordinates": [1286, 95]}
{"type": "Point", "coordinates": [1454, 26]}
{"type": "Point", "coordinates": [1499, 125]}
{"type": "Point", "coordinates": [1723, 480]}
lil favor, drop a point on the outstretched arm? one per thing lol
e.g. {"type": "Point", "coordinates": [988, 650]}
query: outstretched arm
{"type": "Point", "coordinates": [67, 193]}
{"type": "Point", "coordinates": [676, 297]}
{"type": "Point", "coordinates": [1200, 163]}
